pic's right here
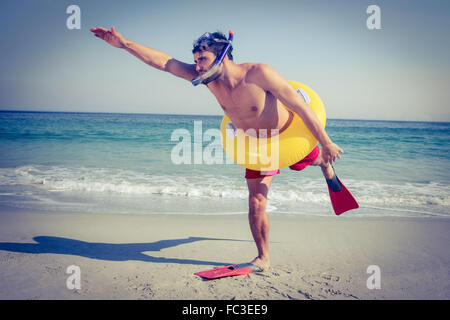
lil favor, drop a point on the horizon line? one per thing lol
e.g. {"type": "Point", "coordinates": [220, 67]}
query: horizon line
{"type": "Point", "coordinates": [202, 115]}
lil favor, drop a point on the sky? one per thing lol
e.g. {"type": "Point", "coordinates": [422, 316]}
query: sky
{"type": "Point", "coordinates": [398, 72]}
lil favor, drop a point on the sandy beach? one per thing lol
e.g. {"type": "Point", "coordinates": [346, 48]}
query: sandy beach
{"type": "Point", "coordinates": [156, 256]}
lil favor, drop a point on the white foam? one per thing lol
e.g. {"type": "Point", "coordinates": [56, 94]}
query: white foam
{"type": "Point", "coordinates": [428, 199]}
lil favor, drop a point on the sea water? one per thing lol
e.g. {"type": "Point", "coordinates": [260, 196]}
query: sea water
{"type": "Point", "coordinates": [127, 164]}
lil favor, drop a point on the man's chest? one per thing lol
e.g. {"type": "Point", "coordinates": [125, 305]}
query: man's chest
{"type": "Point", "coordinates": [243, 99]}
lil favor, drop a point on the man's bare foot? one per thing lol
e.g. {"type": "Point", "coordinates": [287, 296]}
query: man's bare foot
{"type": "Point", "coordinates": [263, 263]}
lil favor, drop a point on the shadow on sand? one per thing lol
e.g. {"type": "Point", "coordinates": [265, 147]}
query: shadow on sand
{"type": "Point", "coordinates": [109, 251]}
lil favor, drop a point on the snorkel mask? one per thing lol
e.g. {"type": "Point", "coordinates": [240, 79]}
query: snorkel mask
{"type": "Point", "coordinates": [211, 75]}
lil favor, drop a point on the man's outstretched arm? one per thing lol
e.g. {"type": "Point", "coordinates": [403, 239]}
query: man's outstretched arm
{"type": "Point", "coordinates": [153, 57]}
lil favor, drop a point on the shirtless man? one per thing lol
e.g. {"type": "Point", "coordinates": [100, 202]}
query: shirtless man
{"type": "Point", "coordinates": [251, 95]}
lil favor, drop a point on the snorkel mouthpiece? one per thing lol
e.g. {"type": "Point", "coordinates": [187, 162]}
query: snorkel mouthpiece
{"type": "Point", "coordinates": [208, 76]}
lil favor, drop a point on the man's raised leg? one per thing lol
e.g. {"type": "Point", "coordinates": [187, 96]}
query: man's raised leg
{"type": "Point", "coordinates": [326, 167]}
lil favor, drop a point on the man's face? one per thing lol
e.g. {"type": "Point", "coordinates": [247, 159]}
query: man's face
{"type": "Point", "coordinates": [203, 61]}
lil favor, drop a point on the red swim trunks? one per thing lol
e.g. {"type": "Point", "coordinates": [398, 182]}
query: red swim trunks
{"type": "Point", "coordinates": [302, 164]}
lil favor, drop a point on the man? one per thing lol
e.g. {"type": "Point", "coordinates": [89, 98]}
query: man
{"type": "Point", "coordinates": [252, 95]}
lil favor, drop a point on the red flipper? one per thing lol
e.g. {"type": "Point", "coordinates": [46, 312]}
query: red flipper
{"type": "Point", "coordinates": [227, 271]}
{"type": "Point", "coordinates": [342, 200]}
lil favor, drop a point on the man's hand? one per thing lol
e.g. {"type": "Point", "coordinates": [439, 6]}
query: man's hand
{"type": "Point", "coordinates": [113, 37]}
{"type": "Point", "coordinates": [330, 152]}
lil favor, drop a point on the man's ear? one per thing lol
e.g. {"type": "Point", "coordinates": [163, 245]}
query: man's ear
{"type": "Point", "coordinates": [226, 58]}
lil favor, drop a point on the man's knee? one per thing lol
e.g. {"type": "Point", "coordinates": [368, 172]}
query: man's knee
{"type": "Point", "coordinates": [257, 203]}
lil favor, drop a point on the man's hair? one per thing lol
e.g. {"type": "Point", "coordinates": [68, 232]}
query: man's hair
{"type": "Point", "coordinates": [214, 46]}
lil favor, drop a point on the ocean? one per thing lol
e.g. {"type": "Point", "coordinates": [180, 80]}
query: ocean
{"type": "Point", "coordinates": [173, 164]}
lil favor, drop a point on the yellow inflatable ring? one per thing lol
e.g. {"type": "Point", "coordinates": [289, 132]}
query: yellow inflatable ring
{"type": "Point", "coordinates": [278, 151]}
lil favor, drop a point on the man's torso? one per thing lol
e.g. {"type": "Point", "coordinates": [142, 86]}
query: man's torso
{"type": "Point", "coordinates": [249, 106]}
